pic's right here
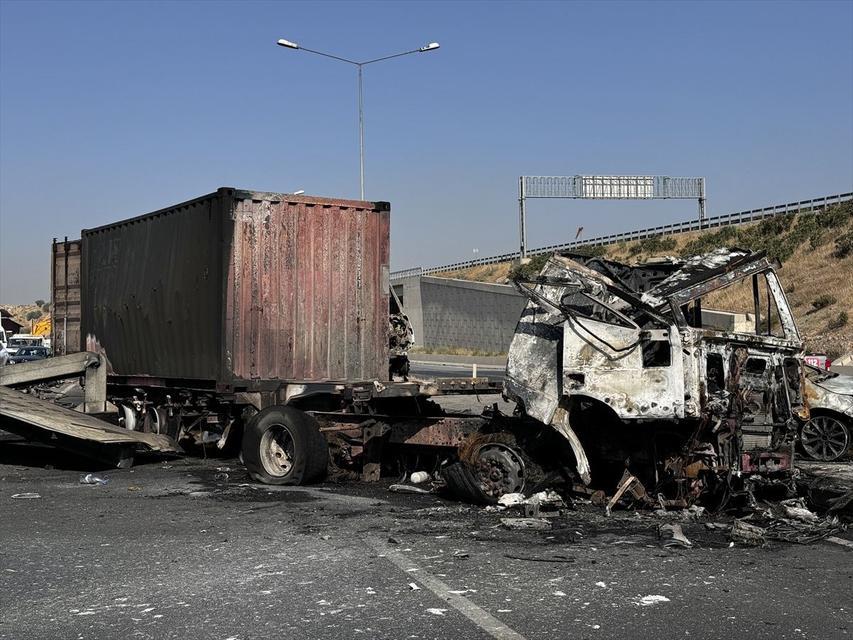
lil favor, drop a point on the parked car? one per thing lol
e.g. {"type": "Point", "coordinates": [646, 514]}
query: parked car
{"type": "Point", "coordinates": [20, 340]}
{"type": "Point", "coordinates": [826, 436]}
{"type": "Point", "coordinates": [28, 354]}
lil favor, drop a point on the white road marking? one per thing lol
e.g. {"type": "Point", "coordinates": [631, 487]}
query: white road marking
{"type": "Point", "coordinates": [463, 605]}
{"type": "Point", "coordinates": [840, 541]}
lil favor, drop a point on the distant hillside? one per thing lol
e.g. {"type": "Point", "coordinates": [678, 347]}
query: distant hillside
{"type": "Point", "coordinates": [19, 313]}
{"type": "Point", "coordinates": [816, 251]}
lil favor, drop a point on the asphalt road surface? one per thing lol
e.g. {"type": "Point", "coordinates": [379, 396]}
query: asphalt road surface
{"type": "Point", "coordinates": [192, 549]}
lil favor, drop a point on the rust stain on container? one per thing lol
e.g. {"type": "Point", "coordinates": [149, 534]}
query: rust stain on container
{"type": "Point", "coordinates": [243, 286]}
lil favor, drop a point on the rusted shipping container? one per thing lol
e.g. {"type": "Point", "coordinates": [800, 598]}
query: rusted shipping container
{"type": "Point", "coordinates": [239, 288]}
{"type": "Point", "coordinates": [65, 296]}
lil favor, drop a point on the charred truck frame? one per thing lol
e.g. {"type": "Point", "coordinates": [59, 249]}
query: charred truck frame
{"type": "Point", "coordinates": [263, 321]}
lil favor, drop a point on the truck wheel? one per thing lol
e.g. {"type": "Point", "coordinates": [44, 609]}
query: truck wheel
{"type": "Point", "coordinates": [492, 467]}
{"type": "Point", "coordinates": [282, 445]}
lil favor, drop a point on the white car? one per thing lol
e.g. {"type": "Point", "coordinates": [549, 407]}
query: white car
{"type": "Point", "coordinates": [826, 436]}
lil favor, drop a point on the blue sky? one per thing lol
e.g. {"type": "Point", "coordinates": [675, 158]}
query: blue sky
{"type": "Point", "coordinates": [109, 110]}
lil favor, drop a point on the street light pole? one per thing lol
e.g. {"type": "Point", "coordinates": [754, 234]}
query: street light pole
{"type": "Point", "coordinates": [432, 46]}
{"type": "Point", "coordinates": [361, 131]}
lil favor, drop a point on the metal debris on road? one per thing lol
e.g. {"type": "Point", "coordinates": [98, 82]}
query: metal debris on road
{"type": "Point", "coordinates": [748, 534]}
{"type": "Point", "coordinates": [676, 536]}
{"type": "Point", "coordinates": [554, 558]}
{"type": "Point", "coordinates": [510, 499]}
{"type": "Point", "coordinates": [405, 488]}
{"type": "Point", "coordinates": [535, 524]}
{"type": "Point", "coordinates": [26, 496]}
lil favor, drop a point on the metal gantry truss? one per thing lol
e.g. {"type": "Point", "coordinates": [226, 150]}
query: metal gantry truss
{"type": "Point", "coordinates": [605, 188]}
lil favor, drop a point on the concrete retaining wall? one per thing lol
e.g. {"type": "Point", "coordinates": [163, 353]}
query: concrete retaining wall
{"type": "Point", "coordinates": [449, 313]}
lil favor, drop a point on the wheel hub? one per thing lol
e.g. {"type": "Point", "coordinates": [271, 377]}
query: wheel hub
{"type": "Point", "coordinates": [500, 469]}
{"type": "Point", "coordinates": [277, 450]}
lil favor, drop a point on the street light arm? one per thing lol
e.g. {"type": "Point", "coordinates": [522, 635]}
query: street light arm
{"type": "Point", "coordinates": [430, 47]}
{"type": "Point", "coordinates": [396, 55]}
{"type": "Point", "coordinates": [329, 55]}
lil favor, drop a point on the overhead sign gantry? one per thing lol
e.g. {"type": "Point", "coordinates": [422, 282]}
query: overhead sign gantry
{"type": "Point", "coordinates": [606, 188]}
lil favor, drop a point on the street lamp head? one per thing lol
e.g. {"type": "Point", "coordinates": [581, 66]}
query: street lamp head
{"type": "Point", "coordinates": [290, 45]}
{"type": "Point", "coordinates": [430, 47]}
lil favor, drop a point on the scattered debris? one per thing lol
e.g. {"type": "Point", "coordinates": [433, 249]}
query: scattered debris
{"type": "Point", "coordinates": [796, 508]}
{"type": "Point", "coordinates": [647, 601]}
{"type": "Point", "coordinates": [91, 478]}
{"type": "Point", "coordinates": [545, 503]}
{"type": "Point", "coordinates": [693, 512]}
{"type": "Point", "coordinates": [676, 536]}
{"type": "Point", "coordinates": [554, 558]}
{"type": "Point", "coordinates": [510, 499]}
{"type": "Point", "coordinates": [419, 477]}
{"type": "Point", "coordinates": [803, 532]}
{"type": "Point", "coordinates": [631, 483]}
{"type": "Point", "coordinates": [436, 612]}
{"type": "Point", "coordinates": [414, 587]}
{"type": "Point", "coordinates": [405, 488]}
{"type": "Point", "coordinates": [26, 496]}
{"type": "Point", "coordinates": [748, 534]}
{"type": "Point", "coordinates": [536, 524]}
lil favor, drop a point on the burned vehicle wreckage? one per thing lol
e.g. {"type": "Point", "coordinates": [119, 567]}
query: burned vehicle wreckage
{"type": "Point", "coordinates": [668, 382]}
{"type": "Point", "coordinates": [677, 380]}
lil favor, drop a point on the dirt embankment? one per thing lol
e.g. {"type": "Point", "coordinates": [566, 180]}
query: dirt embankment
{"type": "Point", "coordinates": [19, 313]}
{"type": "Point", "coordinates": [816, 252]}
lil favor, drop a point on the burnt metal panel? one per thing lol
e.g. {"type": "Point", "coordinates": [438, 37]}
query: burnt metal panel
{"type": "Point", "coordinates": [65, 297]}
{"type": "Point", "coordinates": [241, 286]}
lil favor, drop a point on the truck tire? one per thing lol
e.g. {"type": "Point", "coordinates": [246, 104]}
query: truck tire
{"type": "Point", "coordinates": [283, 445]}
{"type": "Point", "coordinates": [491, 465]}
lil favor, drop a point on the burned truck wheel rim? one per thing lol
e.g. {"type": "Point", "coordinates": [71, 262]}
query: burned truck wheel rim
{"type": "Point", "coordinates": [825, 438]}
{"type": "Point", "coordinates": [500, 469]}
{"type": "Point", "coordinates": [277, 450]}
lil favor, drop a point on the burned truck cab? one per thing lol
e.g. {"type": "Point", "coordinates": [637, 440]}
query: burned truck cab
{"type": "Point", "coordinates": [686, 368]}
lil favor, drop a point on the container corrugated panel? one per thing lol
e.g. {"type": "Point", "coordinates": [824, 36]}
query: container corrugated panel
{"type": "Point", "coordinates": [243, 286]}
{"type": "Point", "coordinates": [65, 297]}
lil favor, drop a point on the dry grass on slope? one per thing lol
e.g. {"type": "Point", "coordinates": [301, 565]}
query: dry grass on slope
{"type": "Point", "coordinates": [817, 267]}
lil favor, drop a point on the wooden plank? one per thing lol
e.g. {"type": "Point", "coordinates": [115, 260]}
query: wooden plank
{"type": "Point", "coordinates": [44, 415]}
